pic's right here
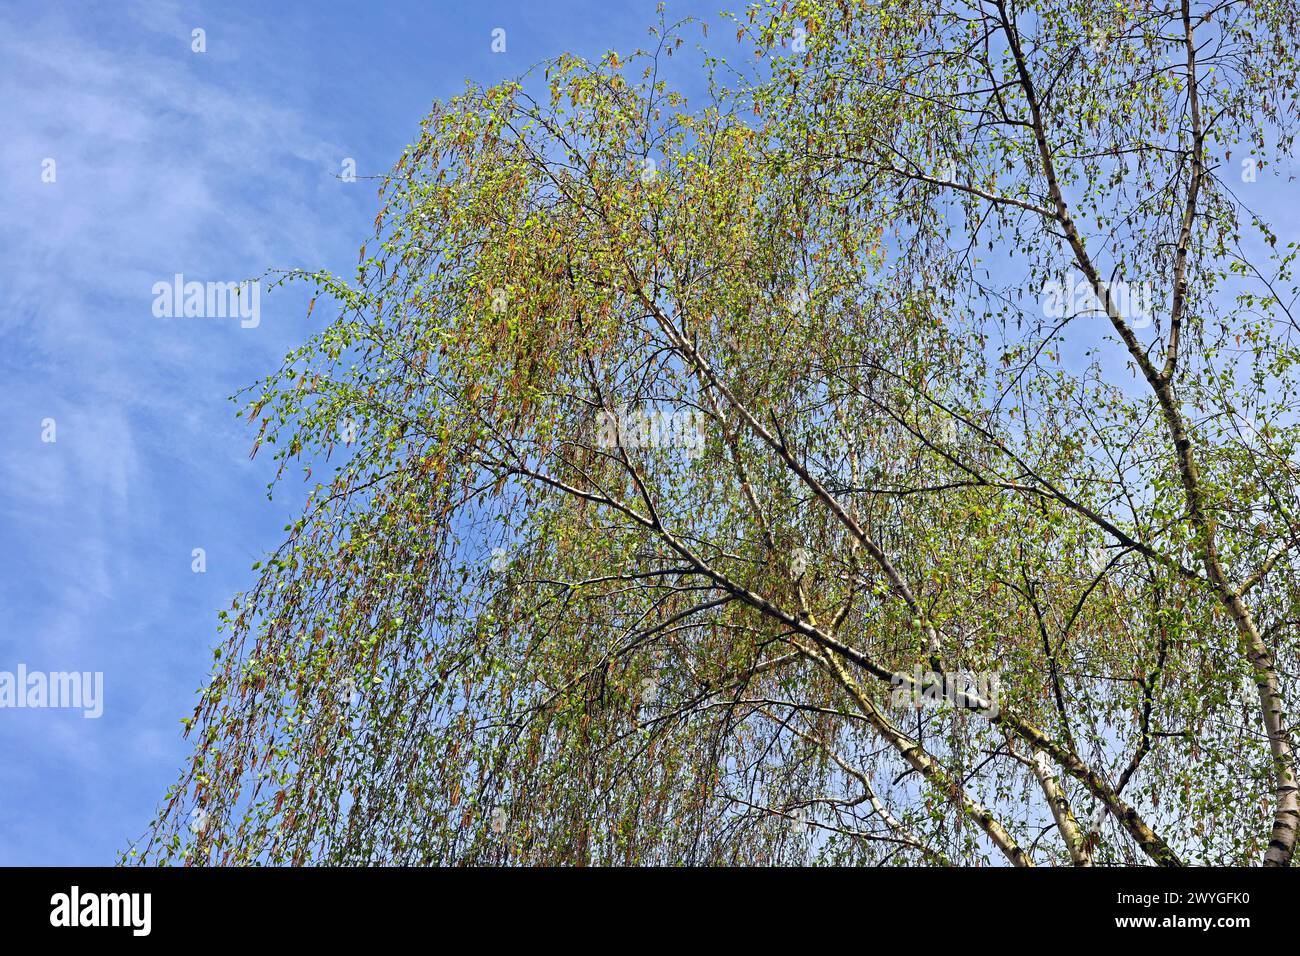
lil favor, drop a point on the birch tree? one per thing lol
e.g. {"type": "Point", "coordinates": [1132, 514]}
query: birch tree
{"type": "Point", "coordinates": [887, 460]}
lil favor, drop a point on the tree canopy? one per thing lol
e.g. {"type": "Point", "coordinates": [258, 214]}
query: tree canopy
{"type": "Point", "coordinates": [889, 459]}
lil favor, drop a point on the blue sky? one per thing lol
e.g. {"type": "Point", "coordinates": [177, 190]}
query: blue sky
{"type": "Point", "coordinates": [217, 165]}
